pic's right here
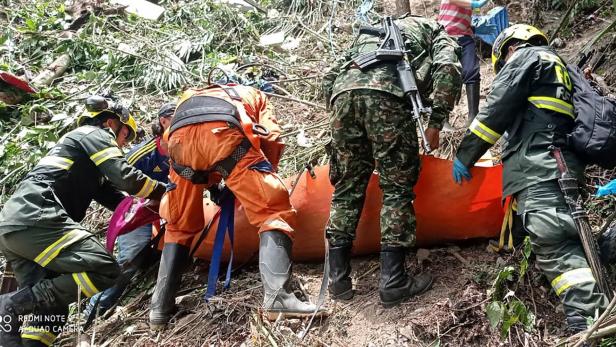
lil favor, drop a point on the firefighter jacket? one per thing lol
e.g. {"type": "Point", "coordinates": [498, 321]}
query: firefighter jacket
{"type": "Point", "coordinates": [433, 56]}
{"type": "Point", "coordinates": [530, 101]}
{"type": "Point", "coordinates": [86, 164]}
{"type": "Point", "coordinates": [151, 159]}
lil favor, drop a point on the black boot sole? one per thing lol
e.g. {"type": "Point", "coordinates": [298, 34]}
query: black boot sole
{"type": "Point", "coordinates": [390, 304]}
{"type": "Point", "coordinates": [344, 296]}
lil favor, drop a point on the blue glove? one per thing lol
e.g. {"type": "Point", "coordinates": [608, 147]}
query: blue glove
{"type": "Point", "coordinates": [460, 171]}
{"type": "Point", "coordinates": [607, 189]}
{"type": "Point", "coordinates": [478, 3]}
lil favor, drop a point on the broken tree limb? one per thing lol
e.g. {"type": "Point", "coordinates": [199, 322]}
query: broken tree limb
{"type": "Point", "coordinates": [586, 48]}
{"type": "Point", "coordinates": [296, 100]}
{"type": "Point", "coordinates": [53, 71]}
{"type": "Point", "coordinates": [563, 22]}
{"type": "Point", "coordinates": [596, 325]}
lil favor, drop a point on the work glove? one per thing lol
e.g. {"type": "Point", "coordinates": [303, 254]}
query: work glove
{"type": "Point", "coordinates": [607, 189]}
{"type": "Point", "coordinates": [460, 171]}
{"type": "Point", "coordinates": [478, 3]}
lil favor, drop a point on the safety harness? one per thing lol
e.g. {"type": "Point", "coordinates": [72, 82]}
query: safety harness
{"type": "Point", "coordinates": [200, 109]}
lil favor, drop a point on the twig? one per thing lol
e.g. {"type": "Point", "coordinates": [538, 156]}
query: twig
{"type": "Point", "coordinates": [597, 323]}
{"type": "Point", "coordinates": [317, 125]}
{"type": "Point", "coordinates": [296, 100]}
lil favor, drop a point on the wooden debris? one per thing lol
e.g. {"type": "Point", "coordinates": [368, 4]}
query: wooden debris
{"type": "Point", "coordinates": [141, 8]}
{"type": "Point", "coordinates": [53, 71]}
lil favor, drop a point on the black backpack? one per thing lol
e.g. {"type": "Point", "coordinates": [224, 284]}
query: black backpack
{"type": "Point", "coordinates": [594, 134]}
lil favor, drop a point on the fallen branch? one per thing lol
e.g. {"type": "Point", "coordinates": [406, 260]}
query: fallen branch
{"type": "Point", "coordinates": [296, 100]}
{"type": "Point", "coordinates": [53, 71]}
{"type": "Point", "coordinates": [596, 325]}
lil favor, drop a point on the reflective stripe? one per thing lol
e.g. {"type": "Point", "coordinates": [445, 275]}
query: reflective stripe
{"type": "Point", "coordinates": [141, 152]}
{"type": "Point", "coordinates": [107, 153]}
{"type": "Point", "coordinates": [60, 162]}
{"type": "Point", "coordinates": [572, 278]}
{"type": "Point", "coordinates": [553, 104]}
{"type": "Point", "coordinates": [87, 287]}
{"type": "Point", "coordinates": [484, 132]}
{"type": "Point", "coordinates": [551, 57]}
{"type": "Point", "coordinates": [54, 249]}
{"type": "Point", "coordinates": [147, 188]}
{"type": "Point", "coordinates": [38, 334]}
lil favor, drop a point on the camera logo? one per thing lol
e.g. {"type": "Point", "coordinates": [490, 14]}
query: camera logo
{"type": "Point", "coordinates": [5, 323]}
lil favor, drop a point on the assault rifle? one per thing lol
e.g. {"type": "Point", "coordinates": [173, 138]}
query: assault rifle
{"type": "Point", "coordinates": [569, 186]}
{"type": "Point", "coordinates": [392, 50]}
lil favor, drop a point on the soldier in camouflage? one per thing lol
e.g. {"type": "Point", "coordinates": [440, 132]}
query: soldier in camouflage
{"type": "Point", "coordinates": [372, 129]}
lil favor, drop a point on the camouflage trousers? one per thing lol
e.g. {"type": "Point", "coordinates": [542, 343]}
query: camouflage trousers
{"type": "Point", "coordinates": [373, 130]}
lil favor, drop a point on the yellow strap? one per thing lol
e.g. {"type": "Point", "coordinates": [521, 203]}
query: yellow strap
{"type": "Point", "coordinates": [484, 132]}
{"type": "Point", "coordinates": [55, 161]}
{"type": "Point", "coordinates": [107, 153]}
{"type": "Point", "coordinates": [49, 253]}
{"type": "Point", "coordinates": [83, 281]}
{"type": "Point", "coordinates": [38, 334]}
{"type": "Point", "coordinates": [572, 278]}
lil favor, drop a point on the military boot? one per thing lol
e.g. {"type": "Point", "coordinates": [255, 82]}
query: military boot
{"type": "Point", "coordinates": [275, 268]}
{"type": "Point", "coordinates": [396, 286]}
{"type": "Point", "coordinates": [472, 97]}
{"type": "Point", "coordinates": [340, 286]}
{"type": "Point", "coordinates": [169, 276]}
{"type": "Point", "coordinates": [607, 246]}
{"type": "Point", "coordinates": [13, 307]}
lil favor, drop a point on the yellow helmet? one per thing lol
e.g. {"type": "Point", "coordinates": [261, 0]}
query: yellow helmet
{"type": "Point", "coordinates": [521, 32]}
{"type": "Point", "coordinates": [97, 105]}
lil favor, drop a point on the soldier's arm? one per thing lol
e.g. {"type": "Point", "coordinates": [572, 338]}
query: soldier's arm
{"type": "Point", "coordinates": [100, 145]}
{"type": "Point", "coordinates": [446, 77]}
{"type": "Point", "coordinates": [506, 101]}
{"type": "Point", "coordinates": [327, 84]}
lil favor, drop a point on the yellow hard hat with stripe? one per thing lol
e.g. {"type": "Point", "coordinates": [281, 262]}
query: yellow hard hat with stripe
{"type": "Point", "coordinates": [521, 32]}
{"type": "Point", "coordinates": [97, 105]}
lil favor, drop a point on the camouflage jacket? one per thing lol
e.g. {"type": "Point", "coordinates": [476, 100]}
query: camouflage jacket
{"type": "Point", "coordinates": [530, 103]}
{"type": "Point", "coordinates": [433, 56]}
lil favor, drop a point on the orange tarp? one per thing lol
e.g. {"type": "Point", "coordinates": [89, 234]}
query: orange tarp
{"type": "Point", "coordinates": [445, 212]}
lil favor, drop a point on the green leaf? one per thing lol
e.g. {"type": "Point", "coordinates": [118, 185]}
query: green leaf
{"type": "Point", "coordinates": [495, 312]}
{"type": "Point", "coordinates": [31, 24]}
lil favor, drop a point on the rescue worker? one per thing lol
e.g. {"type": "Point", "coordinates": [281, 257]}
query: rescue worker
{"type": "Point", "coordinates": [372, 129]}
{"type": "Point", "coordinates": [151, 158]}
{"type": "Point", "coordinates": [455, 16]}
{"type": "Point", "coordinates": [531, 100]}
{"type": "Point", "coordinates": [54, 256]}
{"type": "Point", "coordinates": [212, 137]}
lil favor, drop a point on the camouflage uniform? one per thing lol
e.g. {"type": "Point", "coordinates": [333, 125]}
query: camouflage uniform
{"type": "Point", "coordinates": [372, 128]}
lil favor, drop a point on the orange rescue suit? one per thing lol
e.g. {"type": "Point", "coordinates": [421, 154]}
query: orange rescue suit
{"type": "Point", "coordinates": [262, 194]}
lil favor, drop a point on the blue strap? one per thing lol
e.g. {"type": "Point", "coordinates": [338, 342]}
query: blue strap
{"type": "Point", "coordinates": [263, 166]}
{"type": "Point", "coordinates": [225, 224]}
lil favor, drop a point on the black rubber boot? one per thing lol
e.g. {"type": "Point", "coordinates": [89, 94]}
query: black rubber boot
{"type": "Point", "coordinates": [275, 268]}
{"type": "Point", "coordinates": [340, 286]}
{"type": "Point", "coordinates": [169, 276]}
{"type": "Point", "coordinates": [607, 246]}
{"type": "Point", "coordinates": [13, 307]}
{"type": "Point", "coordinates": [396, 286]}
{"type": "Point", "coordinates": [472, 97]}
{"type": "Point", "coordinates": [576, 324]}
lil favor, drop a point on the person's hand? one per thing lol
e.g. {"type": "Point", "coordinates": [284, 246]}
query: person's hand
{"type": "Point", "coordinates": [460, 171]}
{"type": "Point", "coordinates": [478, 3]}
{"type": "Point", "coordinates": [432, 135]}
{"type": "Point", "coordinates": [607, 189]}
